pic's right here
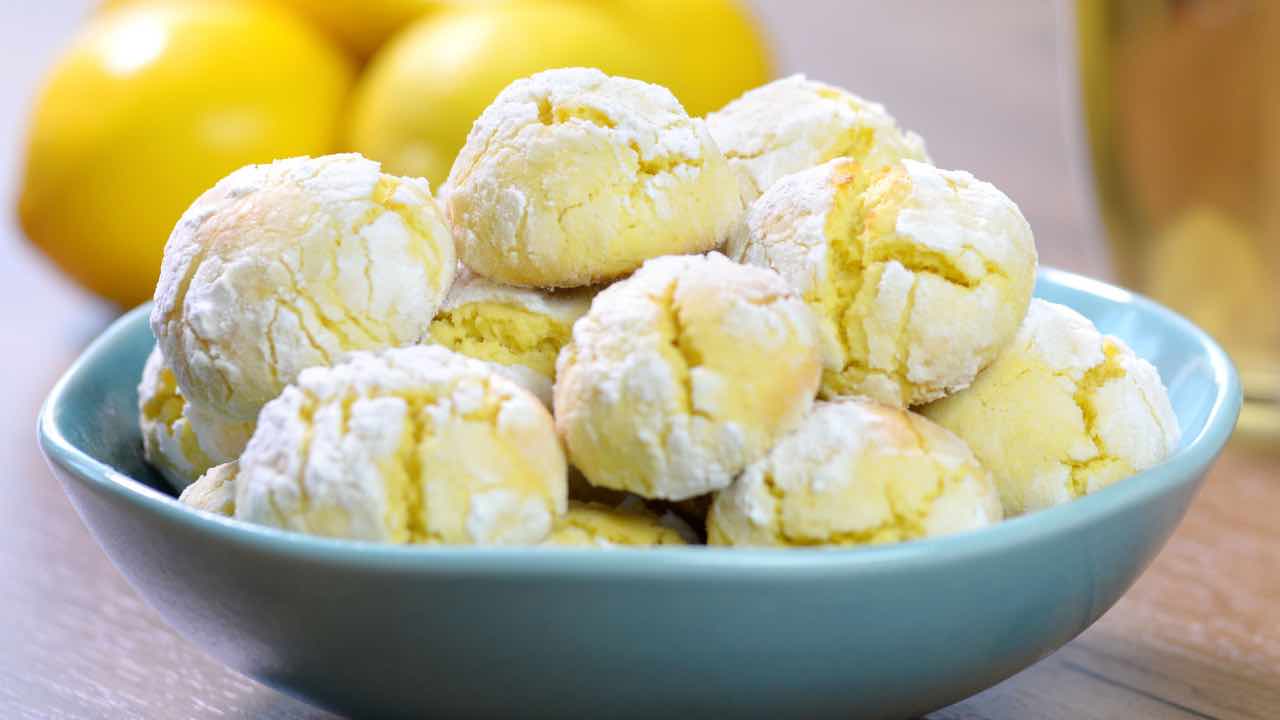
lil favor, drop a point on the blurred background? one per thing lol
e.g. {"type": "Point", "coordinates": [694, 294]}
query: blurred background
{"type": "Point", "coordinates": [121, 112]}
{"type": "Point", "coordinates": [117, 113]}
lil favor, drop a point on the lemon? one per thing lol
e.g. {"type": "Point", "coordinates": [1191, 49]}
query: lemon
{"type": "Point", "coordinates": [712, 51]}
{"type": "Point", "coordinates": [419, 95]}
{"type": "Point", "coordinates": [361, 25]}
{"type": "Point", "coordinates": [153, 103]}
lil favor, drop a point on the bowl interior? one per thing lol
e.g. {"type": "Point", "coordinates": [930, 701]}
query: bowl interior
{"type": "Point", "coordinates": [96, 412]}
{"type": "Point", "coordinates": [90, 424]}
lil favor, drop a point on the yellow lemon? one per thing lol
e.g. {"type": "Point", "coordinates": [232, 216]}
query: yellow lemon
{"type": "Point", "coordinates": [361, 25]}
{"type": "Point", "coordinates": [151, 105]}
{"type": "Point", "coordinates": [419, 95]}
{"type": "Point", "coordinates": [712, 51]}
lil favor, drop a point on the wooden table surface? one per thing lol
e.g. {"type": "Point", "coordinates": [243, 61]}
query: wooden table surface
{"type": "Point", "coordinates": [1197, 637]}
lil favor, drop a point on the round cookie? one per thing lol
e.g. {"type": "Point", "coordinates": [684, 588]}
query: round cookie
{"type": "Point", "coordinates": [856, 473]}
{"type": "Point", "coordinates": [180, 439]}
{"type": "Point", "coordinates": [1063, 411]}
{"type": "Point", "coordinates": [794, 123]}
{"type": "Point", "coordinates": [519, 331]}
{"type": "Point", "coordinates": [918, 276]}
{"type": "Point", "coordinates": [684, 373]}
{"type": "Point", "coordinates": [572, 177]}
{"type": "Point", "coordinates": [286, 266]}
{"type": "Point", "coordinates": [214, 492]}
{"type": "Point", "coordinates": [411, 445]}
{"type": "Point", "coordinates": [589, 524]}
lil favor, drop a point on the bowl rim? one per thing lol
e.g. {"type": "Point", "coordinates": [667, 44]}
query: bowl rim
{"type": "Point", "coordinates": [1184, 466]}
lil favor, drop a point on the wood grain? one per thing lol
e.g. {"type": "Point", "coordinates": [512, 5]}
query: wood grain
{"type": "Point", "coordinates": [1197, 637]}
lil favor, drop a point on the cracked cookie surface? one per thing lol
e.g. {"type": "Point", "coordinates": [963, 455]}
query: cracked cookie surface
{"type": "Point", "coordinates": [1063, 412]}
{"type": "Point", "coordinates": [180, 439]}
{"type": "Point", "coordinates": [794, 123]}
{"type": "Point", "coordinates": [918, 276]}
{"type": "Point", "coordinates": [410, 445]}
{"type": "Point", "coordinates": [856, 473]}
{"type": "Point", "coordinates": [682, 374]}
{"type": "Point", "coordinates": [215, 491]}
{"type": "Point", "coordinates": [572, 177]}
{"type": "Point", "coordinates": [289, 265]}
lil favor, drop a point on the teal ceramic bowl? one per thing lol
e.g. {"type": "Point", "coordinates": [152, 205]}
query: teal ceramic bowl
{"type": "Point", "coordinates": [886, 632]}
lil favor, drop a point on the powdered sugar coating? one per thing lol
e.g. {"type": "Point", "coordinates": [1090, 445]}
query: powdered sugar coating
{"type": "Point", "coordinates": [413, 444]}
{"type": "Point", "coordinates": [918, 276]}
{"type": "Point", "coordinates": [181, 439]}
{"type": "Point", "coordinates": [571, 177]}
{"type": "Point", "coordinates": [856, 472]}
{"type": "Point", "coordinates": [288, 265]}
{"type": "Point", "coordinates": [1063, 412]}
{"type": "Point", "coordinates": [214, 492]}
{"type": "Point", "coordinates": [794, 123]}
{"type": "Point", "coordinates": [682, 374]}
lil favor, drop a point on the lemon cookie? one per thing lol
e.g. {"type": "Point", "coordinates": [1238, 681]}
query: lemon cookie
{"type": "Point", "coordinates": [1062, 412]}
{"type": "Point", "coordinates": [518, 330]}
{"type": "Point", "coordinates": [856, 473]}
{"type": "Point", "coordinates": [795, 123]}
{"type": "Point", "coordinates": [918, 276]}
{"type": "Point", "coordinates": [410, 445]}
{"type": "Point", "coordinates": [289, 265]}
{"type": "Point", "coordinates": [180, 439]}
{"type": "Point", "coordinates": [682, 374]}
{"type": "Point", "coordinates": [215, 491]}
{"type": "Point", "coordinates": [572, 177]}
{"type": "Point", "coordinates": [589, 524]}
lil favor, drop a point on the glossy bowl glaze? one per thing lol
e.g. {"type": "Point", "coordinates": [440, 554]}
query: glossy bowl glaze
{"type": "Point", "coordinates": [387, 631]}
